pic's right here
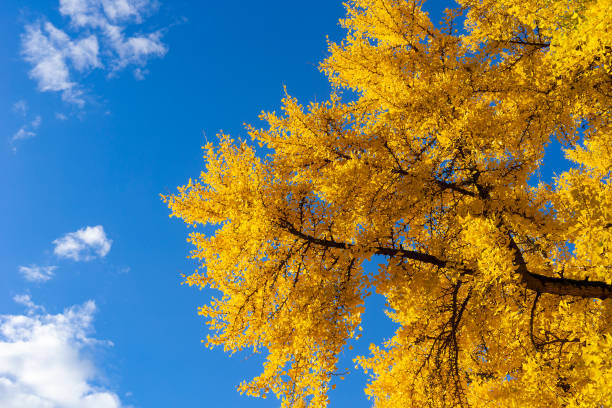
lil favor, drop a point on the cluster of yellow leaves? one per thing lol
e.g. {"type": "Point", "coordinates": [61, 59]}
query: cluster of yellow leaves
{"type": "Point", "coordinates": [429, 165]}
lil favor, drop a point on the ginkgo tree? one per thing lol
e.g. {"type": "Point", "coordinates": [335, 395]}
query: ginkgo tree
{"type": "Point", "coordinates": [426, 154]}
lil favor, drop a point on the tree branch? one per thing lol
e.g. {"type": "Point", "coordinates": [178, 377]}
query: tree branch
{"type": "Point", "coordinates": [532, 281]}
{"type": "Point", "coordinates": [557, 286]}
{"type": "Point", "coordinates": [446, 185]}
{"type": "Point", "coordinates": [532, 43]}
{"type": "Point", "coordinates": [391, 252]}
{"type": "Point", "coordinates": [533, 310]}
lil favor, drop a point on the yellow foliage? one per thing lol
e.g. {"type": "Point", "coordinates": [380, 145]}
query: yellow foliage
{"type": "Point", "coordinates": [500, 289]}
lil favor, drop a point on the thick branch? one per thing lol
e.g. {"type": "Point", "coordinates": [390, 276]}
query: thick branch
{"type": "Point", "coordinates": [391, 252]}
{"type": "Point", "coordinates": [558, 286]}
{"type": "Point", "coordinates": [532, 281]}
{"type": "Point", "coordinates": [446, 185]}
{"type": "Point", "coordinates": [532, 43]}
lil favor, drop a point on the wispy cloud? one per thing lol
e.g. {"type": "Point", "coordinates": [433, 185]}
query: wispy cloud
{"type": "Point", "coordinates": [35, 273]}
{"type": "Point", "coordinates": [26, 300]}
{"type": "Point", "coordinates": [42, 359]}
{"type": "Point", "coordinates": [23, 133]}
{"type": "Point", "coordinates": [36, 122]}
{"type": "Point", "coordinates": [50, 51]}
{"type": "Point", "coordinates": [100, 41]}
{"type": "Point", "coordinates": [28, 130]}
{"type": "Point", "coordinates": [140, 74]}
{"type": "Point", "coordinates": [84, 244]}
{"type": "Point", "coordinates": [20, 107]}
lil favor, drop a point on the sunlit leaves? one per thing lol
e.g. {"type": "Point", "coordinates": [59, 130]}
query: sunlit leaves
{"type": "Point", "coordinates": [500, 289]}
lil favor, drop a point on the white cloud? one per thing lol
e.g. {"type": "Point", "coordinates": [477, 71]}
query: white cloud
{"type": "Point", "coordinates": [140, 74]}
{"type": "Point", "coordinates": [100, 26]}
{"type": "Point", "coordinates": [36, 122]}
{"type": "Point", "coordinates": [84, 53]}
{"type": "Point", "coordinates": [21, 107]}
{"type": "Point", "coordinates": [42, 364]}
{"type": "Point", "coordinates": [84, 244]}
{"type": "Point", "coordinates": [50, 50]}
{"type": "Point", "coordinates": [134, 50]}
{"type": "Point", "coordinates": [97, 13]}
{"type": "Point", "coordinates": [50, 69]}
{"type": "Point", "coordinates": [23, 133]}
{"type": "Point", "coordinates": [118, 10]}
{"type": "Point", "coordinates": [27, 131]}
{"type": "Point", "coordinates": [61, 116]}
{"type": "Point", "coordinates": [26, 300]}
{"type": "Point", "coordinates": [35, 273]}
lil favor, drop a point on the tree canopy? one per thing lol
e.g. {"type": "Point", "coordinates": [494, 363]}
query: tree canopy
{"type": "Point", "coordinates": [427, 154]}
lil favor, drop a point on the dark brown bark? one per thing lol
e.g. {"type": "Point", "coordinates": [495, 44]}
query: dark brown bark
{"type": "Point", "coordinates": [558, 286]}
{"type": "Point", "coordinates": [391, 252]}
{"type": "Point", "coordinates": [532, 281]}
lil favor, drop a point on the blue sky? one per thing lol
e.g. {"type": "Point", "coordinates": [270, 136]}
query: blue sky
{"type": "Point", "coordinates": [103, 106]}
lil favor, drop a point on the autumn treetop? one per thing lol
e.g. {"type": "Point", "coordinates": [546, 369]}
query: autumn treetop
{"type": "Point", "coordinates": [499, 282]}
